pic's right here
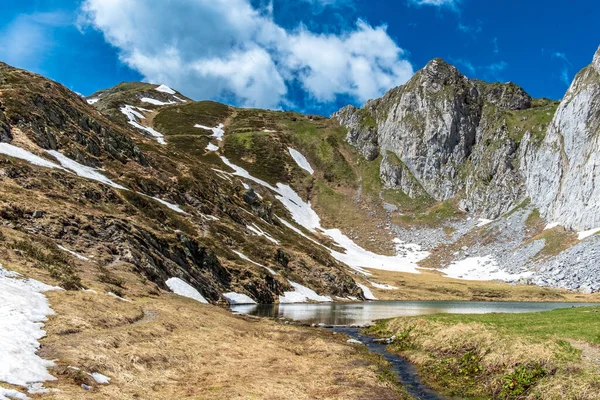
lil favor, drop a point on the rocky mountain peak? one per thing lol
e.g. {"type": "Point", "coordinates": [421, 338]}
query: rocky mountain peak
{"type": "Point", "coordinates": [596, 61]}
{"type": "Point", "coordinates": [438, 73]}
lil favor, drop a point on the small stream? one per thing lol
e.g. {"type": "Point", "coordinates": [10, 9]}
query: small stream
{"type": "Point", "coordinates": [344, 317]}
{"type": "Point", "coordinates": [405, 371]}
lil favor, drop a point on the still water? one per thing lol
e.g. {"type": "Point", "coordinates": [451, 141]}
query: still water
{"type": "Point", "coordinates": [367, 312]}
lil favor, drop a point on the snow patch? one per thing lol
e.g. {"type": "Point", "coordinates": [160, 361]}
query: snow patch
{"type": "Point", "coordinates": [73, 253]}
{"type": "Point", "coordinates": [17, 152]}
{"type": "Point", "coordinates": [586, 234]}
{"type": "Point", "coordinates": [302, 294]}
{"type": "Point", "coordinates": [10, 394]}
{"type": "Point", "coordinates": [23, 311]}
{"type": "Point", "coordinates": [243, 257]}
{"type": "Point", "coordinates": [484, 222]}
{"type": "Point", "coordinates": [99, 378]}
{"type": "Point", "coordinates": [260, 232]}
{"type": "Point", "coordinates": [238, 298]}
{"type": "Point", "coordinates": [212, 147]}
{"type": "Point", "coordinates": [132, 114]}
{"type": "Point", "coordinates": [93, 100]}
{"type": "Point", "coordinates": [165, 89]}
{"type": "Point", "coordinates": [83, 170]}
{"type": "Point", "coordinates": [172, 206]}
{"type": "Point", "coordinates": [156, 102]}
{"type": "Point", "coordinates": [551, 225]}
{"type": "Point", "coordinates": [184, 289]}
{"type": "Point", "coordinates": [116, 296]}
{"type": "Point", "coordinates": [217, 131]}
{"type": "Point", "coordinates": [301, 160]}
{"type": "Point", "coordinates": [367, 292]}
{"type": "Point", "coordinates": [382, 286]}
{"type": "Point", "coordinates": [481, 269]}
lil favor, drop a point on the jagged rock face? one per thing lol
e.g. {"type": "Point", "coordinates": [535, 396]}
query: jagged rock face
{"type": "Point", "coordinates": [563, 176]}
{"type": "Point", "coordinates": [448, 146]}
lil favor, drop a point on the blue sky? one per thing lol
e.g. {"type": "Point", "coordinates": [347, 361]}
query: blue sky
{"type": "Point", "coordinates": [308, 55]}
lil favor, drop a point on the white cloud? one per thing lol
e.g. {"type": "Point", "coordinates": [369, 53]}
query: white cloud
{"type": "Point", "coordinates": [437, 3]}
{"type": "Point", "coordinates": [222, 48]}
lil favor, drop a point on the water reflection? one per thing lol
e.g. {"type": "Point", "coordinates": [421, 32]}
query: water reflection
{"type": "Point", "coordinates": [364, 313]}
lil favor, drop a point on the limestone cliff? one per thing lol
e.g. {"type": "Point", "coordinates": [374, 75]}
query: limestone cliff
{"type": "Point", "coordinates": [563, 174]}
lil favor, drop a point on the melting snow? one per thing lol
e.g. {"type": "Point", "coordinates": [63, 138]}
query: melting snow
{"type": "Point", "coordinates": [73, 253]}
{"type": "Point", "coordinates": [484, 222]}
{"type": "Point", "coordinates": [180, 99]}
{"type": "Point", "coordinates": [111, 294]}
{"type": "Point", "coordinates": [217, 131]}
{"type": "Point", "coordinates": [132, 114]}
{"type": "Point", "coordinates": [156, 102]}
{"type": "Point", "coordinates": [165, 89]}
{"type": "Point", "coordinates": [212, 147]}
{"type": "Point", "coordinates": [355, 256]}
{"type": "Point", "coordinates": [260, 232]}
{"type": "Point", "coordinates": [184, 289]}
{"type": "Point", "coordinates": [301, 160]}
{"type": "Point", "coordinates": [586, 234]}
{"type": "Point", "coordinates": [7, 394]}
{"type": "Point", "coordinates": [238, 298]}
{"type": "Point", "coordinates": [383, 286]}
{"type": "Point", "coordinates": [99, 378]}
{"type": "Point", "coordinates": [480, 269]}
{"type": "Point", "coordinates": [23, 309]}
{"type": "Point", "coordinates": [301, 295]}
{"type": "Point", "coordinates": [83, 170]}
{"type": "Point", "coordinates": [243, 257]}
{"type": "Point", "coordinates": [552, 225]}
{"type": "Point", "coordinates": [172, 206]}
{"type": "Point", "coordinates": [17, 152]}
{"type": "Point", "coordinates": [93, 100]}
{"type": "Point", "coordinates": [367, 292]}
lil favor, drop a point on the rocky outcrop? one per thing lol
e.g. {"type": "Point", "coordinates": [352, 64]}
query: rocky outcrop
{"type": "Point", "coordinates": [563, 173]}
{"type": "Point", "coordinates": [449, 134]}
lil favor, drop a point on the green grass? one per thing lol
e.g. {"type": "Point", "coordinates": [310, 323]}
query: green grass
{"type": "Point", "coordinates": [180, 120]}
{"type": "Point", "coordinates": [569, 323]}
{"type": "Point", "coordinates": [433, 216]}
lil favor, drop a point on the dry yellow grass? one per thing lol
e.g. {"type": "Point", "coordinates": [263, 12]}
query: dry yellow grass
{"type": "Point", "coordinates": [162, 346]}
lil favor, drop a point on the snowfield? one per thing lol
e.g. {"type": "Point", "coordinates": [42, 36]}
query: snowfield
{"type": "Point", "coordinates": [23, 310]}
{"type": "Point", "coordinates": [354, 256]}
{"type": "Point", "coordinates": [481, 269]}
{"type": "Point", "coordinates": [184, 289]}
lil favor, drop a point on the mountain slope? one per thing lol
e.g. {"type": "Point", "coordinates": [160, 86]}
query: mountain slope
{"type": "Point", "coordinates": [489, 151]}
